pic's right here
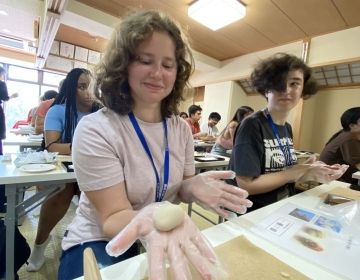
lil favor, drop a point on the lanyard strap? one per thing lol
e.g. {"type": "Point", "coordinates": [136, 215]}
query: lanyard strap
{"type": "Point", "coordinates": [286, 151]}
{"type": "Point", "coordinates": [160, 191]}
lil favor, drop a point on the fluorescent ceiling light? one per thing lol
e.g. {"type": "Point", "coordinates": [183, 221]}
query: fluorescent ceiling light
{"type": "Point", "coordinates": [216, 14]}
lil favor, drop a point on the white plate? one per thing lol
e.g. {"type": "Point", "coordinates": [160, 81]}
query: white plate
{"type": "Point", "coordinates": [34, 140]}
{"type": "Point", "coordinates": [207, 158]}
{"type": "Point", "coordinates": [37, 168]}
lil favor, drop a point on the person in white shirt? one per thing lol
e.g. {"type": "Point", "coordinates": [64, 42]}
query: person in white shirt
{"type": "Point", "coordinates": [210, 126]}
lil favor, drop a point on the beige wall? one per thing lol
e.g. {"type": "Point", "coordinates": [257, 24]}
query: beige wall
{"type": "Point", "coordinates": [257, 102]}
{"type": "Point", "coordinates": [335, 47]}
{"type": "Point", "coordinates": [188, 101]}
{"type": "Point", "coordinates": [225, 98]}
{"type": "Point", "coordinates": [217, 98]}
{"type": "Point", "coordinates": [238, 98]}
{"type": "Point", "coordinates": [322, 116]}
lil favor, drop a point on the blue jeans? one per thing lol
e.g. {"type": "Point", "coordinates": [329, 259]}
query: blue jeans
{"type": "Point", "coordinates": [71, 261]}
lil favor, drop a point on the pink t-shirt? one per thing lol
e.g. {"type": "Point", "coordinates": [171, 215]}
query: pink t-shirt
{"type": "Point", "coordinates": [107, 151]}
{"type": "Point", "coordinates": [44, 107]}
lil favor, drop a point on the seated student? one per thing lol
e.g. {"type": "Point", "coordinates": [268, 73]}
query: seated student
{"type": "Point", "coordinates": [209, 127]}
{"type": "Point", "coordinates": [73, 102]}
{"type": "Point", "coordinates": [224, 141]}
{"type": "Point", "coordinates": [193, 121]}
{"type": "Point", "coordinates": [344, 146]}
{"type": "Point", "coordinates": [123, 153]}
{"type": "Point", "coordinates": [183, 115]}
{"type": "Point", "coordinates": [40, 113]}
{"type": "Point", "coordinates": [263, 156]}
{"type": "Point", "coordinates": [30, 117]}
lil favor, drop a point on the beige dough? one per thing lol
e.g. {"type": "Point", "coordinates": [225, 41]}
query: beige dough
{"type": "Point", "coordinates": [168, 216]}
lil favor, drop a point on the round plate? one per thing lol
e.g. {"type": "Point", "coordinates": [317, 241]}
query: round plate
{"type": "Point", "coordinates": [37, 168]}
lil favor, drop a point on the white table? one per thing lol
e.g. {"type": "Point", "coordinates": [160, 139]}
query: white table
{"type": "Point", "coordinates": [16, 183]}
{"type": "Point", "coordinates": [356, 175]}
{"type": "Point", "coordinates": [22, 141]}
{"type": "Point", "coordinates": [136, 267]}
{"type": "Point", "coordinates": [211, 165]}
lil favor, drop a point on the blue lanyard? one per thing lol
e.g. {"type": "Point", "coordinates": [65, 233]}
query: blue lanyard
{"type": "Point", "coordinates": [160, 191]}
{"type": "Point", "coordinates": [286, 151]}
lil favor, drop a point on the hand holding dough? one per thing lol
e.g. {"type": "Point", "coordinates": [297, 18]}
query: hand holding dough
{"type": "Point", "coordinates": [177, 240]}
{"type": "Point", "coordinates": [168, 216]}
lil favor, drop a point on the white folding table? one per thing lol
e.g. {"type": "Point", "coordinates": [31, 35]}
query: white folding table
{"type": "Point", "coordinates": [16, 182]}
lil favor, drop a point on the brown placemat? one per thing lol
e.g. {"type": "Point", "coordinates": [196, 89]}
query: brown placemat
{"type": "Point", "coordinates": [243, 260]}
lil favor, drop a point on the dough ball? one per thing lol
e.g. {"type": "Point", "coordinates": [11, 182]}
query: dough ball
{"type": "Point", "coordinates": [168, 216]}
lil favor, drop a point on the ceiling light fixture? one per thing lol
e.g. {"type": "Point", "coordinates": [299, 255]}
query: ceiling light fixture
{"type": "Point", "coordinates": [216, 14]}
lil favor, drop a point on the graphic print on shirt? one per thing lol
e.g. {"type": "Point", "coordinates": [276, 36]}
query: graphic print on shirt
{"type": "Point", "coordinates": [274, 156]}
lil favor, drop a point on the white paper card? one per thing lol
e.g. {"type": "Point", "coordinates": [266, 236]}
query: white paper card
{"type": "Point", "coordinates": [315, 236]}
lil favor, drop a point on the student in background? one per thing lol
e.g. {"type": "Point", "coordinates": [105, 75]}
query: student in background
{"type": "Point", "coordinates": [30, 117]}
{"type": "Point", "coordinates": [193, 121]}
{"type": "Point", "coordinates": [39, 116]}
{"type": "Point", "coordinates": [344, 146]}
{"type": "Point", "coordinates": [263, 156]}
{"type": "Point", "coordinates": [183, 115]}
{"type": "Point", "coordinates": [224, 142]}
{"type": "Point", "coordinates": [136, 153]}
{"type": "Point", "coordinates": [74, 101]}
{"type": "Point", "coordinates": [209, 127]}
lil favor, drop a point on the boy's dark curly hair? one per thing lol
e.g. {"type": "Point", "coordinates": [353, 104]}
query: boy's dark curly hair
{"type": "Point", "coordinates": [271, 74]}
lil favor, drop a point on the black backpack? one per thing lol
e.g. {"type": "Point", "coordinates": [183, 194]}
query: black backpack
{"type": "Point", "coordinates": [21, 250]}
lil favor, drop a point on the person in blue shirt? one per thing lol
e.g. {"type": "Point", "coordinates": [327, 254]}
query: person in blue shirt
{"type": "Point", "coordinates": [74, 101]}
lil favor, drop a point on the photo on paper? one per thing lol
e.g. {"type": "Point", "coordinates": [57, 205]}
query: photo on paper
{"type": "Point", "coordinates": [333, 225]}
{"type": "Point", "coordinates": [302, 214]}
{"type": "Point", "coordinates": [311, 238]}
{"type": "Point", "coordinates": [309, 243]}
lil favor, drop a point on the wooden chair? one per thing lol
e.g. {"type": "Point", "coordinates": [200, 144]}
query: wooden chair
{"type": "Point", "coordinates": [91, 270]}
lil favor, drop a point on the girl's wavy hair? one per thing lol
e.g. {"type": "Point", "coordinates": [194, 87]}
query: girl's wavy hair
{"type": "Point", "coordinates": [112, 87]}
{"type": "Point", "coordinates": [271, 74]}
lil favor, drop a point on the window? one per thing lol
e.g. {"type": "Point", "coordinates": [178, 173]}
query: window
{"type": "Point", "coordinates": [19, 107]}
{"type": "Point", "coordinates": [52, 79]}
{"type": "Point", "coordinates": [20, 73]}
{"type": "Point", "coordinates": [30, 84]}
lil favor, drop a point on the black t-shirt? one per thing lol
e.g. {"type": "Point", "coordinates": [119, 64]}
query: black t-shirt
{"type": "Point", "coordinates": [4, 96]}
{"type": "Point", "coordinates": [256, 151]}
